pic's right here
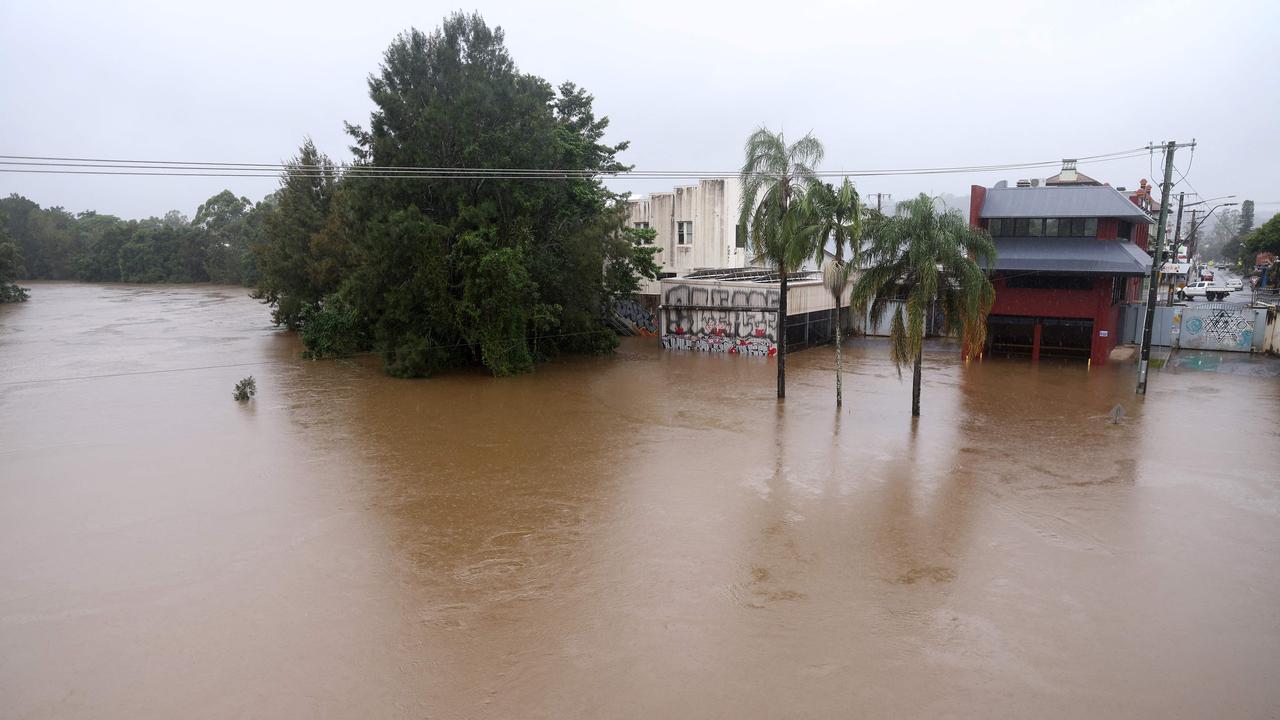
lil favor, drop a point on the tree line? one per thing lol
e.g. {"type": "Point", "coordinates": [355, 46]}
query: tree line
{"type": "Point", "coordinates": [217, 245]}
{"type": "Point", "coordinates": [429, 272]}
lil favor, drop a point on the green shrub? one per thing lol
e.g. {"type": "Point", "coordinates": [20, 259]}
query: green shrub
{"type": "Point", "coordinates": [246, 389]}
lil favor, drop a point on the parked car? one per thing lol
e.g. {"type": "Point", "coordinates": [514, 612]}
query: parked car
{"type": "Point", "coordinates": [1205, 289]}
{"type": "Point", "coordinates": [1235, 284]}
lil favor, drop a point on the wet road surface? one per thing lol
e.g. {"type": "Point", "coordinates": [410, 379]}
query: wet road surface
{"type": "Point", "coordinates": [643, 535]}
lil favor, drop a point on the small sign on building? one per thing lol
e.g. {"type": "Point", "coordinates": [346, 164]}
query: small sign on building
{"type": "Point", "coordinates": [1104, 333]}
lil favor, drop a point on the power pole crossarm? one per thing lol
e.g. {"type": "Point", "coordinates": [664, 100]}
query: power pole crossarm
{"type": "Point", "coordinates": [1156, 260]}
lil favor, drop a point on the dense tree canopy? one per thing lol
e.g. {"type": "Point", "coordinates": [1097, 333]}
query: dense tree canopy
{"type": "Point", "coordinates": [1266, 238]}
{"type": "Point", "coordinates": [10, 267]}
{"type": "Point", "coordinates": [438, 272]}
{"type": "Point", "coordinates": [217, 246]}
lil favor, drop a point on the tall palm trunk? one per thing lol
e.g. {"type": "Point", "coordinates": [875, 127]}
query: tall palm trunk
{"type": "Point", "coordinates": [782, 334]}
{"type": "Point", "coordinates": [839, 358]}
{"type": "Point", "coordinates": [915, 381]}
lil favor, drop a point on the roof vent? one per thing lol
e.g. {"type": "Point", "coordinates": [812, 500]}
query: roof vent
{"type": "Point", "coordinates": [1024, 183]}
{"type": "Point", "coordinates": [1035, 182]}
{"type": "Point", "coordinates": [1002, 185]}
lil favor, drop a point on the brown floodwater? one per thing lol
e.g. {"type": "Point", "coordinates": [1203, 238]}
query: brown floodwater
{"type": "Point", "coordinates": [645, 535]}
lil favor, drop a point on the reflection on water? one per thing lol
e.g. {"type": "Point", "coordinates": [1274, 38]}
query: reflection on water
{"type": "Point", "coordinates": [644, 535]}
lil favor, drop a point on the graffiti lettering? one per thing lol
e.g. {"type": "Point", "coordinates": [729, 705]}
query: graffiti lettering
{"type": "Point", "coordinates": [715, 319]}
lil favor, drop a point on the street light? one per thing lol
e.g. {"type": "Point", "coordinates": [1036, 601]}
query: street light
{"type": "Point", "coordinates": [1201, 222]}
{"type": "Point", "coordinates": [1201, 202]}
{"type": "Point", "coordinates": [1191, 251]}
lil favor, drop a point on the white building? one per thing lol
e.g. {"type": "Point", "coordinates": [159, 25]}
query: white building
{"type": "Point", "coordinates": [696, 225]}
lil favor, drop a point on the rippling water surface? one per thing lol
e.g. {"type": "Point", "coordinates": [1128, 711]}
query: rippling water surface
{"type": "Point", "coordinates": [643, 535]}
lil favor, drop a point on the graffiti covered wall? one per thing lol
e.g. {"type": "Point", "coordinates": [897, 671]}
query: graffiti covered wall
{"type": "Point", "coordinates": [1225, 327]}
{"type": "Point", "coordinates": [711, 318]}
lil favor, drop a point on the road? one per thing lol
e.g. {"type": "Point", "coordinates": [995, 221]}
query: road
{"type": "Point", "coordinates": [1221, 275]}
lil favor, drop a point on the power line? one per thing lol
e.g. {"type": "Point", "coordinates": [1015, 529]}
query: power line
{"type": "Point", "coordinates": [95, 166]}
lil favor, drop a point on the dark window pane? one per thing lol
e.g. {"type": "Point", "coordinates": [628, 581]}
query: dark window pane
{"type": "Point", "coordinates": [1037, 281]}
{"type": "Point", "coordinates": [1034, 227]}
{"type": "Point", "coordinates": [740, 236]}
{"type": "Point", "coordinates": [1020, 227]}
{"type": "Point", "coordinates": [1091, 227]}
{"type": "Point", "coordinates": [994, 227]}
{"type": "Point", "coordinates": [1051, 227]}
{"type": "Point", "coordinates": [1077, 227]}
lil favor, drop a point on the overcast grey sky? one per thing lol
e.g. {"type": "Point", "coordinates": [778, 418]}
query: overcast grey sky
{"type": "Point", "coordinates": [882, 84]}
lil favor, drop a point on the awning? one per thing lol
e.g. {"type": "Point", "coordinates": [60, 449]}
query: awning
{"type": "Point", "coordinates": [1065, 255]}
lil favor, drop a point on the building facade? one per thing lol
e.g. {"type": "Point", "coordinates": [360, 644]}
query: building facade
{"type": "Point", "coordinates": [1068, 254]}
{"type": "Point", "coordinates": [696, 226]}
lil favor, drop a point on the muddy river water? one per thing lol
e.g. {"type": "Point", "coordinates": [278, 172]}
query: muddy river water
{"type": "Point", "coordinates": [645, 535]}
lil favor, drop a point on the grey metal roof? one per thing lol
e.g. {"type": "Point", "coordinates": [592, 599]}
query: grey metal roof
{"type": "Point", "coordinates": [1099, 201]}
{"type": "Point", "coordinates": [1062, 255]}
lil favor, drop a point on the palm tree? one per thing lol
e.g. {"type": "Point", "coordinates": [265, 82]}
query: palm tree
{"type": "Point", "coordinates": [919, 257]}
{"type": "Point", "coordinates": [835, 214]}
{"type": "Point", "coordinates": [775, 178]}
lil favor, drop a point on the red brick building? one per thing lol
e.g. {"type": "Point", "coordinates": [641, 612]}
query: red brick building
{"type": "Point", "coordinates": [1069, 252]}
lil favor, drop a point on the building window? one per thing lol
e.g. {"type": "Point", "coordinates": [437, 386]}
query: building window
{"type": "Point", "coordinates": [1036, 281]}
{"type": "Point", "coordinates": [684, 232]}
{"type": "Point", "coordinates": [740, 236]}
{"type": "Point", "coordinates": [1117, 290]}
{"type": "Point", "coordinates": [1124, 230]}
{"type": "Point", "coordinates": [1044, 227]}
{"type": "Point", "coordinates": [641, 225]}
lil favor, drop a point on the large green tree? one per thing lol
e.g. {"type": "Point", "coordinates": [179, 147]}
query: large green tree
{"type": "Point", "coordinates": [775, 178]}
{"type": "Point", "coordinates": [920, 258]}
{"type": "Point", "coordinates": [835, 215]}
{"type": "Point", "coordinates": [304, 254]}
{"type": "Point", "coordinates": [484, 268]}
{"type": "Point", "coordinates": [222, 221]}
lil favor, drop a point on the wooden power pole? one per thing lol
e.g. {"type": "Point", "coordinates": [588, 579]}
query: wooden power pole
{"type": "Point", "coordinates": [1156, 260]}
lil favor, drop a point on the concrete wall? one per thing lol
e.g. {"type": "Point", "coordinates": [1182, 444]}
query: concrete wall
{"type": "Point", "coordinates": [712, 207]}
{"type": "Point", "coordinates": [741, 317]}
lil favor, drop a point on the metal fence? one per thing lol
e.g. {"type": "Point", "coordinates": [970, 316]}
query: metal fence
{"type": "Point", "coordinates": [1235, 327]}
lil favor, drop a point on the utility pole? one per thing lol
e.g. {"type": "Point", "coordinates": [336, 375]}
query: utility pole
{"type": "Point", "coordinates": [1193, 235]}
{"type": "Point", "coordinates": [1165, 189]}
{"type": "Point", "coordinates": [879, 198]}
{"type": "Point", "coordinates": [1177, 242]}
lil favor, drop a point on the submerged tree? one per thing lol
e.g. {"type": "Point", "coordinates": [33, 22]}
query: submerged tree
{"type": "Point", "coordinates": [775, 178]}
{"type": "Point", "coordinates": [303, 256]}
{"type": "Point", "coordinates": [835, 215]}
{"type": "Point", "coordinates": [245, 389]}
{"type": "Point", "coordinates": [10, 267]}
{"type": "Point", "coordinates": [484, 268]}
{"type": "Point", "coordinates": [919, 257]}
